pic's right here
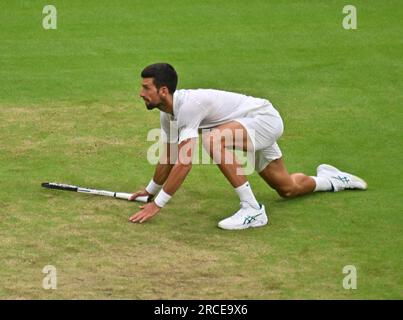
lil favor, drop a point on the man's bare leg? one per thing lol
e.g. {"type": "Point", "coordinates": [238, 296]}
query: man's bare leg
{"type": "Point", "coordinates": [287, 185]}
{"type": "Point", "coordinates": [234, 135]}
{"type": "Point", "coordinates": [328, 178]}
{"type": "Point", "coordinates": [275, 174]}
{"type": "Point", "coordinates": [231, 135]}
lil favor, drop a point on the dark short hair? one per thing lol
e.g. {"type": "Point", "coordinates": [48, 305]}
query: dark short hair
{"type": "Point", "coordinates": [163, 74]}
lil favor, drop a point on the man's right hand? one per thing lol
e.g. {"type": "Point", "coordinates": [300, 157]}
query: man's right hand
{"type": "Point", "coordinates": [141, 193]}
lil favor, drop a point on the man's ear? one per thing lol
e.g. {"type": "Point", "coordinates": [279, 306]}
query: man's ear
{"type": "Point", "coordinates": [164, 91]}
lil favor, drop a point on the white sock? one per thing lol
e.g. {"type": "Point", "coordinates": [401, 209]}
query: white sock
{"type": "Point", "coordinates": [322, 184]}
{"type": "Point", "coordinates": [245, 193]}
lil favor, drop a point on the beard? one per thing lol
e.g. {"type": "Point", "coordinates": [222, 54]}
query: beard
{"type": "Point", "coordinates": [151, 106]}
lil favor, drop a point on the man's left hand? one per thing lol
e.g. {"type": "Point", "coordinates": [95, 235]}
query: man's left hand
{"type": "Point", "coordinates": [148, 211]}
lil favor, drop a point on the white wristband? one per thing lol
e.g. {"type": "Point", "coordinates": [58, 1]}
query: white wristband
{"type": "Point", "coordinates": [162, 199]}
{"type": "Point", "coordinates": [153, 188]}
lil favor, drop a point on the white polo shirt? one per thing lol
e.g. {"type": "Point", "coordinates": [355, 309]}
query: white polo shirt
{"type": "Point", "coordinates": [207, 108]}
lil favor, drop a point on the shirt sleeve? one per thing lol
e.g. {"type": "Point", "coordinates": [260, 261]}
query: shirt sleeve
{"type": "Point", "coordinates": [192, 114]}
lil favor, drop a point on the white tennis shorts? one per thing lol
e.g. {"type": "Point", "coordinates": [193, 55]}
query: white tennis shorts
{"type": "Point", "coordinates": [264, 128]}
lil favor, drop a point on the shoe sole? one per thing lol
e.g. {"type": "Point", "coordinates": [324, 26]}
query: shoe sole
{"type": "Point", "coordinates": [246, 226]}
{"type": "Point", "coordinates": [328, 167]}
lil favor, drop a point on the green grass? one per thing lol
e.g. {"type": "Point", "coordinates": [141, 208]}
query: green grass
{"type": "Point", "coordinates": [69, 112]}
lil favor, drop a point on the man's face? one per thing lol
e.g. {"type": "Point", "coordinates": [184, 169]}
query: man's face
{"type": "Point", "coordinates": [150, 94]}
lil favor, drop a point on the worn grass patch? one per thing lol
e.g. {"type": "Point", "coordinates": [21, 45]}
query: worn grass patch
{"type": "Point", "coordinates": [69, 113]}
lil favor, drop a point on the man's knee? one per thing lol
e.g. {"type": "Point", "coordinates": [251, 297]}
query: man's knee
{"type": "Point", "coordinates": [286, 192]}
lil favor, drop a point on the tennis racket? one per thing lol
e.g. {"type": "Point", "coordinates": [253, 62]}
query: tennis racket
{"type": "Point", "coordinates": [68, 187]}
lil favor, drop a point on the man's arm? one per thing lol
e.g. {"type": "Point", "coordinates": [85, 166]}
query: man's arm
{"type": "Point", "coordinates": [176, 176]}
{"type": "Point", "coordinates": [163, 168]}
{"type": "Point", "coordinates": [165, 163]}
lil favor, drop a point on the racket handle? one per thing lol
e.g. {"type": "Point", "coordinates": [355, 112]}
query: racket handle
{"type": "Point", "coordinates": [126, 196]}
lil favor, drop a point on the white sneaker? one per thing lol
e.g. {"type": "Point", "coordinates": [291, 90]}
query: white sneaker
{"type": "Point", "coordinates": [339, 179]}
{"type": "Point", "coordinates": [245, 217]}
